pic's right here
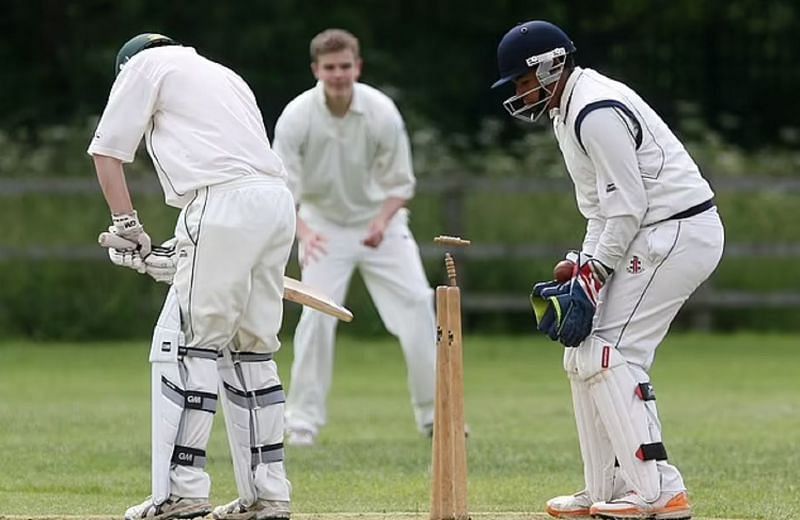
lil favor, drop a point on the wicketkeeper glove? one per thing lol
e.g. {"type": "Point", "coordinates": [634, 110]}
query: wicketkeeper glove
{"type": "Point", "coordinates": [547, 309]}
{"type": "Point", "coordinates": [127, 226]}
{"type": "Point", "coordinates": [565, 311]}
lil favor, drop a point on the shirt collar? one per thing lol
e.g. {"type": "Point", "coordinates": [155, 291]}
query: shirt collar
{"type": "Point", "coordinates": [356, 104]}
{"type": "Point", "coordinates": [569, 87]}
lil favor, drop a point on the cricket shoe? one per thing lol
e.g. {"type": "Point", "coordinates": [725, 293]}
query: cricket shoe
{"type": "Point", "coordinates": [570, 506]}
{"type": "Point", "coordinates": [669, 506]}
{"type": "Point", "coordinates": [173, 507]}
{"type": "Point", "coordinates": [261, 509]}
{"type": "Point", "coordinates": [301, 438]}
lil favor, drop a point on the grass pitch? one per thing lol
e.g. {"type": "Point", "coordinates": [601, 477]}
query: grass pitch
{"type": "Point", "coordinates": [74, 430]}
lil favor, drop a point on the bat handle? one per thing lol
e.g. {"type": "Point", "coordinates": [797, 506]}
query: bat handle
{"type": "Point", "coordinates": [110, 240]}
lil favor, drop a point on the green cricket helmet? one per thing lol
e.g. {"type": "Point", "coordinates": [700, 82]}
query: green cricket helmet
{"type": "Point", "coordinates": [139, 43]}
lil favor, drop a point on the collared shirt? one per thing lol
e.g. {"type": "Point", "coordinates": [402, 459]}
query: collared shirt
{"type": "Point", "coordinates": [200, 121]}
{"type": "Point", "coordinates": [344, 168]}
{"type": "Point", "coordinates": [626, 164]}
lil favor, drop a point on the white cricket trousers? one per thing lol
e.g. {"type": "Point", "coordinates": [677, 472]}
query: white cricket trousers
{"type": "Point", "coordinates": [233, 242]}
{"type": "Point", "coordinates": [396, 281]}
{"type": "Point", "coordinates": [663, 266]}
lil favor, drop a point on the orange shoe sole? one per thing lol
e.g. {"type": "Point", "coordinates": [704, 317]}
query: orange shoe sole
{"type": "Point", "coordinates": [574, 514]}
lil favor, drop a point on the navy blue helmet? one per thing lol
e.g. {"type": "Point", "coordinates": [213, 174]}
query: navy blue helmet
{"type": "Point", "coordinates": [532, 46]}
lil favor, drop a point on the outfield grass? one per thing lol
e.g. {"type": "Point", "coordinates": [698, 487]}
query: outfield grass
{"type": "Point", "coordinates": [74, 434]}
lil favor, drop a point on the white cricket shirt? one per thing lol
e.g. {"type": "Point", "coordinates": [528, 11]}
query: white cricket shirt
{"type": "Point", "coordinates": [629, 169]}
{"type": "Point", "coordinates": [200, 120]}
{"type": "Point", "coordinates": [344, 168]}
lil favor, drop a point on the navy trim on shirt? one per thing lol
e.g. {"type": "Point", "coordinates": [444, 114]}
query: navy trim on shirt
{"type": "Point", "coordinates": [607, 103]}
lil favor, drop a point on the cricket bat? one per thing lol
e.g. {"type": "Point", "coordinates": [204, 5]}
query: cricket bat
{"type": "Point", "coordinates": [293, 290]}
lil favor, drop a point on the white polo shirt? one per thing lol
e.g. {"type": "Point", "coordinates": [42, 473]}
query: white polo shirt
{"type": "Point", "coordinates": [344, 168]}
{"type": "Point", "coordinates": [628, 168]}
{"type": "Point", "coordinates": [200, 120]}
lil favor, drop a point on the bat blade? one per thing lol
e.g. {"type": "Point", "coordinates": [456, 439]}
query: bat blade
{"type": "Point", "coordinates": [298, 292]}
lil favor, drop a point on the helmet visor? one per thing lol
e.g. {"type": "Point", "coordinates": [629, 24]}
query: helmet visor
{"type": "Point", "coordinates": [548, 74]}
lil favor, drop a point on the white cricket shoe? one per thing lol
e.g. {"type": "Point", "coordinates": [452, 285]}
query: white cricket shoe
{"type": "Point", "coordinates": [570, 506]}
{"type": "Point", "coordinates": [301, 438]}
{"type": "Point", "coordinates": [173, 507]}
{"type": "Point", "coordinates": [669, 506]}
{"type": "Point", "coordinates": [262, 509]}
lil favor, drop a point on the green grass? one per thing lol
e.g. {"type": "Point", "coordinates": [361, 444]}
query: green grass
{"type": "Point", "coordinates": [74, 434]}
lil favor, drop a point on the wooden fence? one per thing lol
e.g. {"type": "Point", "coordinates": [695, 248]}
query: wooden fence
{"type": "Point", "coordinates": [452, 194]}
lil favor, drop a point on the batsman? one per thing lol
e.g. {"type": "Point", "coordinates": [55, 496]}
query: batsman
{"type": "Point", "coordinates": [653, 235]}
{"type": "Point", "coordinates": [217, 333]}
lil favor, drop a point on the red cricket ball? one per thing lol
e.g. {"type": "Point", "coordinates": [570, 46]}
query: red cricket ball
{"type": "Point", "coordinates": [562, 272]}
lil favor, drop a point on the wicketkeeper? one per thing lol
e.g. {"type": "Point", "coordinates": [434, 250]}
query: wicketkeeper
{"type": "Point", "coordinates": [217, 333]}
{"type": "Point", "coordinates": [653, 236]}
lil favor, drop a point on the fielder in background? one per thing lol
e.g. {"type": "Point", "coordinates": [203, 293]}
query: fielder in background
{"type": "Point", "coordinates": [653, 236]}
{"type": "Point", "coordinates": [348, 157]}
{"type": "Point", "coordinates": [219, 325]}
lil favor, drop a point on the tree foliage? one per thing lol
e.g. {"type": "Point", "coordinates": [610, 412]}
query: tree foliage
{"type": "Point", "coordinates": [736, 59]}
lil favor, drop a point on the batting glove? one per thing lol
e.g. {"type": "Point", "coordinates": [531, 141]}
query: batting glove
{"type": "Point", "coordinates": [160, 264]}
{"type": "Point", "coordinates": [127, 258]}
{"type": "Point", "coordinates": [127, 226]}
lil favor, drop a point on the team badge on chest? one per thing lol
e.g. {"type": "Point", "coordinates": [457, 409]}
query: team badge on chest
{"type": "Point", "coordinates": [635, 265]}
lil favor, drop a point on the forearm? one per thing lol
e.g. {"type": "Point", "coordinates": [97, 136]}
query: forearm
{"type": "Point", "coordinates": [615, 239]}
{"type": "Point", "coordinates": [594, 227]}
{"type": "Point", "coordinates": [390, 206]}
{"type": "Point", "coordinates": [111, 177]}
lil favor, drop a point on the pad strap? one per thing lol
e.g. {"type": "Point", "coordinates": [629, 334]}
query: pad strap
{"type": "Point", "coordinates": [255, 399]}
{"type": "Point", "coordinates": [653, 451]}
{"type": "Point", "coordinates": [250, 357]}
{"type": "Point", "coordinates": [189, 399]}
{"type": "Point", "coordinates": [185, 456]}
{"type": "Point", "coordinates": [206, 353]}
{"type": "Point", "coordinates": [645, 392]}
{"type": "Point", "coordinates": [266, 454]}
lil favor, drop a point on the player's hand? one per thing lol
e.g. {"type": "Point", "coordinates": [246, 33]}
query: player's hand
{"type": "Point", "coordinates": [127, 226]}
{"type": "Point", "coordinates": [565, 311]}
{"type": "Point", "coordinates": [547, 309]}
{"type": "Point", "coordinates": [562, 311]}
{"type": "Point", "coordinates": [590, 274]}
{"type": "Point", "coordinates": [312, 246]}
{"type": "Point", "coordinates": [162, 262]}
{"type": "Point", "coordinates": [127, 258]}
{"type": "Point", "coordinates": [374, 233]}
